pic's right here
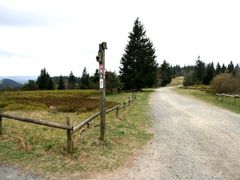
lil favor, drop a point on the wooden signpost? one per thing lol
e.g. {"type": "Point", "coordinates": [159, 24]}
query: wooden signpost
{"type": "Point", "coordinates": [101, 60]}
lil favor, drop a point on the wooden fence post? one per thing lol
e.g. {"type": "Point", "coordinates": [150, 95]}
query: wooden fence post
{"type": "Point", "coordinates": [69, 137]}
{"type": "Point", "coordinates": [117, 112]}
{"type": "Point", "coordinates": [1, 127]}
{"type": "Point", "coordinates": [234, 99]}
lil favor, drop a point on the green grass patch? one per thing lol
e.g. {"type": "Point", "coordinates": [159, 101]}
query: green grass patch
{"type": "Point", "coordinates": [43, 149]}
{"type": "Point", "coordinates": [227, 102]}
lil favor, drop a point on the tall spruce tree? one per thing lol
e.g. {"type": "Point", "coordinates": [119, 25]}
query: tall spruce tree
{"type": "Point", "coordinates": [223, 69]}
{"type": "Point", "coordinates": [61, 85]}
{"type": "Point", "coordinates": [165, 75]}
{"type": "Point", "coordinates": [138, 65]}
{"type": "Point", "coordinates": [218, 69]}
{"type": "Point", "coordinates": [210, 73]}
{"type": "Point", "coordinates": [199, 71]}
{"type": "Point", "coordinates": [230, 67]}
{"type": "Point", "coordinates": [85, 79]}
{"type": "Point", "coordinates": [71, 81]}
{"type": "Point", "coordinates": [44, 81]}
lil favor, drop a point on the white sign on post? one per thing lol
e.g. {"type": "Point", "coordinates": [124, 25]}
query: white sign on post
{"type": "Point", "coordinates": [101, 83]}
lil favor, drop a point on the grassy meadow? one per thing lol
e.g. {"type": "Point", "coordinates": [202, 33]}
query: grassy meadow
{"type": "Point", "coordinates": [204, 93]}
{"type": "Point", "coordinates": [43, 149]}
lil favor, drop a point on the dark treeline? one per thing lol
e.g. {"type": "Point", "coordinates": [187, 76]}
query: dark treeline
{"type": "Point", "coordinates": [203, 73]}
{"type": "Point", "coordinates": [85, 81]}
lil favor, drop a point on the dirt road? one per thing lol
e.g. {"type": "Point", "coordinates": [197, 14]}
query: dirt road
{"type": "Point", "coordinates": [192, 140]}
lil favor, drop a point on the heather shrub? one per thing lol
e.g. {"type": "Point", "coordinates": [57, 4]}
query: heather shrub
{"type": "Point", "coordinates": [226, 83]}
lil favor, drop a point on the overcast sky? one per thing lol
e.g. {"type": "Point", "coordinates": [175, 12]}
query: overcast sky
{"type": "Point", "coordinates": [63, 35]}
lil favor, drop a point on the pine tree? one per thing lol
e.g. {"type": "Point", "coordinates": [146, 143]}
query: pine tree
{"type": "Point", "coordinates": [176, 71]}
{"type": "Point", "coordinates": [230, 67]}
{"type": "Point", "coordinates": [85, 79]}
{"type": "Point", "coordinates": [138, 65]}
{"type": "Point", "coordinates": [165, 74]}
{"type": "Point", "coordinates": [223, 69]}
{"type": "Point", "coordinates": [218, 69]}
{"type": "Point", "coordinates": [112, 81]}
{"type": "Point", "coordinates": [210, 72]}
{"type": "Point", "coordinates": [94, 80]}
{"type": "Point", "coordinates": [50, 85]}
{"type": "Point", "coordinates": [237, 71]}
{"type": "Point", "coordinates": [71, 81]}
{"type": "Point", "coordinates": [61, 85]}
{"type": "Point", "coordinates": [95, 77]}
{"type": "Point", "coordinates": [30, 85]}
{"type": "Point", "coordinates": [44, 81]}
{"type": "Point", "coordinates": [199, 71]}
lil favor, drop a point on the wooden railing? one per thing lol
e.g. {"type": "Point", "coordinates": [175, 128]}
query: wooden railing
{"type": "Point", "coordinates": [70, 129]}
{"type": "Point", "coordinates": [94, 116]}
{"type": "Point", "coordinates": [221, 96]}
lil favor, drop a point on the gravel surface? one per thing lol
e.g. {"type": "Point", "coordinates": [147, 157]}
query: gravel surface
{"type": "Point", "coordinates": [192, 140]}
{"type": "Point", "coordinates": [7, 173]}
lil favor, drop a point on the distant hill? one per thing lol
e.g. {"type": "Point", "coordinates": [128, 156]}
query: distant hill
{"type": "Point", "coordinates": [19, 79]}
{"type": "Point", "coordinates": [9, 84]}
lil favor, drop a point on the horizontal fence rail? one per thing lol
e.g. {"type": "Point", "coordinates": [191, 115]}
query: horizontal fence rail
{"type": "Point", "coordinates": [94, 116]}
{"type": "Point", "coordinates": [112, 109]}
{"type": "Point", "coordinates": [227, 95]}
{"type": "Point", "coordinates": [85, 122]}
{"type": "Point", "coordinates": [37, 121]}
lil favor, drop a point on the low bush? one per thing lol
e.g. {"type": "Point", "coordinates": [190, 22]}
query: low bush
{"type": "Point", "coordinates": [226, 83]}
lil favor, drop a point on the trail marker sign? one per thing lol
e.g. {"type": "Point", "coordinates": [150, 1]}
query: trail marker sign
{"type": "Point", "coordinates": [101, 60]}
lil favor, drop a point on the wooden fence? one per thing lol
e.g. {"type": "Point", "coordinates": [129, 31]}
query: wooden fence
{"type": "Point", "coordinates": [221, 96]}
{"type": "Point", "coordinates": [70, 129]}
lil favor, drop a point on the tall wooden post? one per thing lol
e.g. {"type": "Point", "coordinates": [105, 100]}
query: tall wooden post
{"type": "Point", "coordinates": [1, 127]}
{"type": "Point", "coordinates": [101, 60]}
{"type": "Point", "coordinates": [69, 137]}
{"type": "Point", "coordinates": [117, 112]}
{"type": "Point", "coordinates": [234, 99]}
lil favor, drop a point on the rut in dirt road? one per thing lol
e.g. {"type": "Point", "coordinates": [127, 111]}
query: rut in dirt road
{"type": "Point", "coordinates": [192, 140]}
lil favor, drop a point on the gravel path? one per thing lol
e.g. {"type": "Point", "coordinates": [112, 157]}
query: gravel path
{"type": "Point", "coordinates": [192, 140]}
{"type": "Point", "coordinates": [7, 173]}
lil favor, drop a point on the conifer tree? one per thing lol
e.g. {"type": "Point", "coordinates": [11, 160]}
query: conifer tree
{"type": "Point", "coordinates": [71, 81]}
{"type": "Point", "coordinates": [210, 73]}
{"type": "Point", "coordinates": [223, 69]}
{"type": "Point", "coordinates": [230, 67]}
{"type": "Point", "coordinates": [61, 85]}
{"type": "Point", "coordinates": [95, 77]}
{"type": "Point", "coordinates": [138, 65]}
{"type": "Point", "coordinates": [93, 80]}
{"type": "Point", "coordinates": [218, 69]}
{"type": "Point", "coordinates": [44, 81]}
{"type": "Point", "coordinates": [112, 81]}
{"type": "Point", "coordinates": [199, 71]}
{"type": "Point", "coordinates": [165, 74]}
{"type": "Point", "coordinates": [85, 79]}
